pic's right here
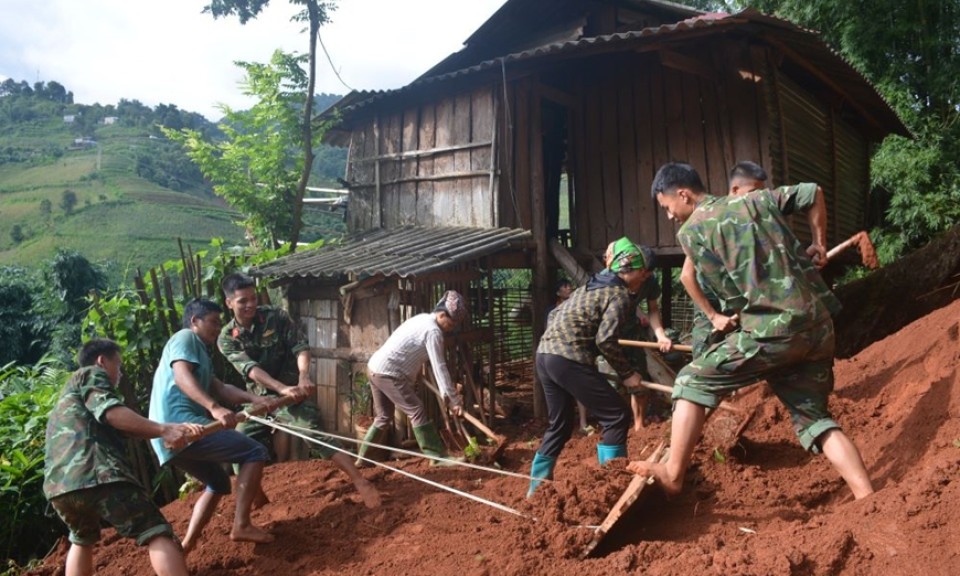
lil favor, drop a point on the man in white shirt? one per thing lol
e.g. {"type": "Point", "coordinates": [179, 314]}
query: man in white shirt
{"type": "Point", "coordinates": [393, 370]}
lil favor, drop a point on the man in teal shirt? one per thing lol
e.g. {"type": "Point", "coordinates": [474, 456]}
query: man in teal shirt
{"type": "Point", "coordinates": [747, 255]}
{"type": "Point", "coordinates": [185, 390]}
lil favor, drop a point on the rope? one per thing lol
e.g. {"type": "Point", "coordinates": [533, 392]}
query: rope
{"type": "Point", "coordinates": [468, 495]}
{"type": "Point", "coordinates": [416, 454]}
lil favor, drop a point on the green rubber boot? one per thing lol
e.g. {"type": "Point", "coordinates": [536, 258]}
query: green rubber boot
{"type": "Point", "coordinates": [606, 452]}
{"type": "Point", "coordinates": [542, 468]}
{"type": "Point", "coordinates": [376, 435]}
{"type": "Point", "coordinates": [432, 445]}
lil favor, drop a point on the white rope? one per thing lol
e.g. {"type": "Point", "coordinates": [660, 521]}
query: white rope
{"type": "Point", "coordinates": [473, 497]}
{"type": "Point", "coordinates": [416, 454]}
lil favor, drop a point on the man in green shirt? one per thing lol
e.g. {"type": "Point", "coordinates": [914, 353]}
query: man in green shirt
{"type": "Point", "coordinates": [745, 252]}
{"type": "Point", "coordinates": [87, 476]}
{"type": "Point", "coordinates": [272, 354]}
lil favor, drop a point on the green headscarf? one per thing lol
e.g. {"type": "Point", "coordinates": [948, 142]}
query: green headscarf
{"type": "Point", "coordinates": [630, 256]}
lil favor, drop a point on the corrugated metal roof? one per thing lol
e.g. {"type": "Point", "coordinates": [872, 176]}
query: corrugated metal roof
{"type": "Point", "coordinates": [405, 251]}
{"type": "Point", "coordinates": [803, 43]}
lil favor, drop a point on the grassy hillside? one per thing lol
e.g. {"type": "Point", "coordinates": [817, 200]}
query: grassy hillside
{"type": "Point", "coordinates": [117, 215]}
{"type": "Point", "coordinates": [119, 191]}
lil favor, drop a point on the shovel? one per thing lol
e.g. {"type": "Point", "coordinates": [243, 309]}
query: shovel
{"type": "Point", "coordinates": [500, 440]}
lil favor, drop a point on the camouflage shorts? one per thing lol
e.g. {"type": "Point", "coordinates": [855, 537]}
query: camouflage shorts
{"type": "Point", "coordinates": [304, 415]}
{"type": "Point", "coordinates": [125, 506]}
{"type": "Point", "coordinates": [798, 368]}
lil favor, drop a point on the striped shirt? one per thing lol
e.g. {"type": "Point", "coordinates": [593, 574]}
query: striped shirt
{"type": "Point", "coordinates": [402, 356]}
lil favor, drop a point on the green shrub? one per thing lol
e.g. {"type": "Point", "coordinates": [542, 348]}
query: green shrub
{"type": "Point", "coordinates": [27, 394]}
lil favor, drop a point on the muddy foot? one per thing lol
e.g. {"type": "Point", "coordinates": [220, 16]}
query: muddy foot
{"type": "Point", "coordinates": [670, 486]}
{"type": "Point", "coordinates": [251, 534]}
{"type": "Point", "coordinates": [369, 493]}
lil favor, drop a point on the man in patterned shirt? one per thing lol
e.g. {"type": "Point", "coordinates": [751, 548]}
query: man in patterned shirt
{"type": "Point", "coordinates": [588, 324]}
{"type": "Point", "coordinates": [746, 253]}
{"type": "Point", "coordinates": [87, 476]}
{"type": "Point", "coordinates": [272, 354]}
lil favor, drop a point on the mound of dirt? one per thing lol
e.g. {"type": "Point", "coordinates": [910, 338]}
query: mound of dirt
{"type": "Point", "coordinates": [763, 507]}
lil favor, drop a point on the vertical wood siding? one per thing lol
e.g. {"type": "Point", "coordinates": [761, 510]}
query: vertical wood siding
{"type": "Point", "coordinates": [429, 165]}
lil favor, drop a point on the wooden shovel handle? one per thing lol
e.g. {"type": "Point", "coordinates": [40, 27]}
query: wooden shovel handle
{"type": "Point", "coordinates": [653, 345]}
{"type": "Point", "coordinates": [467, 415]}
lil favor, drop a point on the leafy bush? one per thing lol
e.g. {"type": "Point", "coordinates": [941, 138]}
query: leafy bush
{"type": "Point", "coordinates": [27, 394]}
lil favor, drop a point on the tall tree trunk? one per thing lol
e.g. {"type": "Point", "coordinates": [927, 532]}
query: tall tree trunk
{"type": "Point", "coordinates": [313, 10]}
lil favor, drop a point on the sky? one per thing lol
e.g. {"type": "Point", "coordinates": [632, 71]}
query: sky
{"type": "Point", "coordinates": [169, 52]}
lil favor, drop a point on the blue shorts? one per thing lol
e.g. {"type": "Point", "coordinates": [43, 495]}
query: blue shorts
{"type": "Point", "coordinates": [204, 458]}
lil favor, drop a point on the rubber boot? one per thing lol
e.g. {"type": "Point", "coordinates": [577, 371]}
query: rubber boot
{"type": "Point", "coordinates": [431, 444]}
{"type": "Point", "coordinates": [610, 451]}
{"type": "Point", "coordinates": [374, 434]}
{"type": "Point", "coordinates": [542, 467]}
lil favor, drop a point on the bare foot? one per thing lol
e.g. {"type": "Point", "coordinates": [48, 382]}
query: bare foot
{"type": "Point", "coordinates": [259, 500]}
{"type": "Point", "coordinates": [250, 534]}
{"type": "Point", "coordinates": [670, 486]}
{"type": "Point", "coordinates": [369, 493]}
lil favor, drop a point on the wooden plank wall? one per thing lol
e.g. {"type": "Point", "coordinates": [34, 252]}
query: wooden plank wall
{"type": "Point", "coordinates": [638, 113]}
{"type": "Point", "coordinates": [320, 319]}
{"type": "Point", "coordinates": [808, 133]}
{"type": "Point", "coordinates": [853, 184]}
{"type": "Point", "coordinates": [428, 165]}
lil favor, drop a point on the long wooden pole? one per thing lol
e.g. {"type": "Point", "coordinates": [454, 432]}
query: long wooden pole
{"type": "Point", "coordinates": [653, 345]}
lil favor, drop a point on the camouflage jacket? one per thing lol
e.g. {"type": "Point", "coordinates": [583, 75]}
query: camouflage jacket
{"type": "Point", "coordinates": [590, 322]}
{"type": "Point", "coordinates": [745, 252]}
{"type": "Point", "coordinates": [273, 342]}
{"type": "Point", "coordinates": [82, 450]}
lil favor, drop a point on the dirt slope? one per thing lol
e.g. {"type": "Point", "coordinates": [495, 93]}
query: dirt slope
{"type": "Point", "coordinates": [768, 509]}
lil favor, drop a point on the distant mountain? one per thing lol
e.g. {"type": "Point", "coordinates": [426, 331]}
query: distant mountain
{"type": "Point", "coordinates": [103, 180]}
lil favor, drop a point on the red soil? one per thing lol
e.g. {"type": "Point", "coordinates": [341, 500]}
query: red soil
{"type": "Point", "coordinates": [768, 508]}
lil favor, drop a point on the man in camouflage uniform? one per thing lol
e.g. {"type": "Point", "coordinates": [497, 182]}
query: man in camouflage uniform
{"type": "Point", "coordinates": [272, 354]}
{"type": "Point", "coordinates": [746, 253]}
{"type": "Point", "coordinates": [87, 476]}
{"type": "Point", "coordinates": [588, 324]}
{"type": "Point", "coordinates": [745, 177]}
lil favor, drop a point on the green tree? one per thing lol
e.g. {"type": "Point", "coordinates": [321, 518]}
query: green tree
{"type": "Point", "coordinates": [256, 168]}
{"type": "Point", "coordinates": [16, 234]}
{"type": "Point", "coordinates": [46, 207]}
{"type": "Point", "coordinates": [315, 14]}
{"type": "Point", "coordinates": [23, 330]}
{"type": "Point", "coordinates": [68, 201]}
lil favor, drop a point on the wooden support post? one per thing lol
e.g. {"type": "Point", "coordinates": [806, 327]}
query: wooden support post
{"type": "Point", "coordinates": [541, 272]}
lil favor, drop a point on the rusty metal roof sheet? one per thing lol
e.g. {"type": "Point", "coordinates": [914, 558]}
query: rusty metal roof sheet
{"type": "Point", "coordinates": [801, 44]}
{"type": "Point", "coordinates": [405, 251]}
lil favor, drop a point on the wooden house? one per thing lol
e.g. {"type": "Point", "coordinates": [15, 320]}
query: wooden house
{"type": "Point", "coordinates": [577, 103]}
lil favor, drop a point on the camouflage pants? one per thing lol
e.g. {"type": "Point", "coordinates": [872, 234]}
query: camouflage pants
{"type": "Point", "coordinates": [702, 334]}
{"type": "Point", "coordinates": [798, 367]}
{"type": "Point", "coordinates": [305, 415]}
{"type": "Point", "coordinates": [125, 506]}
